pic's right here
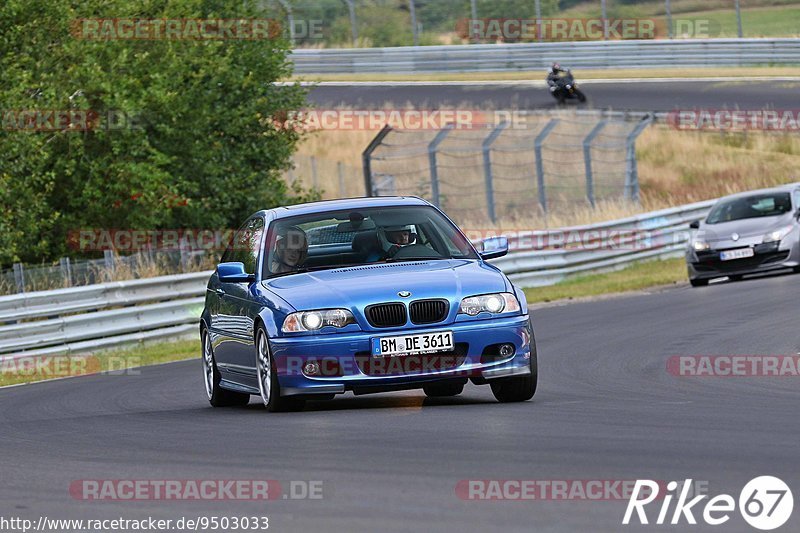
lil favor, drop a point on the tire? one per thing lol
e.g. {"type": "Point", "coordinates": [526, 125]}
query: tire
{"type": "Point", "coordinates": [217, 396]}
{"type": "Point", "coordinates": [580, 95]}
{"type": "Point", "coordinates": [519, 389]}
{"type": "Point", "coordinates": [268, 386]}
{"type": "Point", "coordinates": [443, 389]}
{"type": "Point", "coordinates": [737, 277]}
{"type": "Point", "coordinates": [796, 269]}
{"type": "Point", "coordinates": [698, 282]}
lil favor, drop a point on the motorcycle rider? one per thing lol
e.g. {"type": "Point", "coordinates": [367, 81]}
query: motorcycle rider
{"type": "Point", "coordinates": [554, 74]}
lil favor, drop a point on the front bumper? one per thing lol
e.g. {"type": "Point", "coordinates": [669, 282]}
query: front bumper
{"type": "Point", "coordinates": [347, 364]}
{"type": "Point", "coordinates": [767, 257]}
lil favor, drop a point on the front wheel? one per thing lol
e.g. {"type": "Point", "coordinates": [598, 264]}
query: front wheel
{"type": "Point", "coordinates": [267, 374]}
{"type": "Point", "coordinates": [698, 282]}
{"type": "Point", "coordinates": [217, 396]}
{"type": "Point", "coordinates": [580, 95]}
{"type": "Point", "coordinates": [521, 389]}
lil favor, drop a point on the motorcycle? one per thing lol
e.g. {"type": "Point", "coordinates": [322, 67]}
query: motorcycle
{"type": "Point", "coordinates": [566, 88]}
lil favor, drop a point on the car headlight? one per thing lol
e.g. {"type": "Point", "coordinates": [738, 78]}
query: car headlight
{"type": "Point", "coordinates": [700, 246]}
{"type": "Point", "coordinates": [777, 235]}
{"type": "Point", "coordinates": [316, 320]}
{"type": "Point", "coordinates": [503, 302]}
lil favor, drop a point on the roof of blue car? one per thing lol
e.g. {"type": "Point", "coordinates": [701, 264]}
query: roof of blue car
{"type": "Point", "coordinates": [346, 203]}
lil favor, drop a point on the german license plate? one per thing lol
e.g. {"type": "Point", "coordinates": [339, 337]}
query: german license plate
{"type": "Point", "coordinates": [736, 254]}
{"type": "Point", "coordinates": [438, 341]}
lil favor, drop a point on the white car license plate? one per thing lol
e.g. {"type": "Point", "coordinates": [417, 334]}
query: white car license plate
{"type": "Point", "coordinates": [736, 254]}
{"type": "Point", "coordinates": [438, 341]}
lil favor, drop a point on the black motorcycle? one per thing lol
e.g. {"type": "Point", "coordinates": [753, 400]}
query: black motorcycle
{"type": "Point", "coordinates": [566, 88]}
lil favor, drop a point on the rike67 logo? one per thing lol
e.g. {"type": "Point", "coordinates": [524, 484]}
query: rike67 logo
{"type": "Point", "coordinates": [765, 503]}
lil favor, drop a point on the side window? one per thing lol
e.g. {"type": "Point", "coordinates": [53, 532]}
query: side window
{"type": "Point", "coordinates": [252, 245]}
{"type": "Point", "coordinates": [796, 195]}
{"type": "Point", "coordinates": [244, 246]}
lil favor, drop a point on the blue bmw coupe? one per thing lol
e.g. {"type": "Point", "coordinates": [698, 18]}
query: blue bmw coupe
{"type": "Point", "coordinates": [363, 295]}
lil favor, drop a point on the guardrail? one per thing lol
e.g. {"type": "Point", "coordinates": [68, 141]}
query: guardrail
{"type": "Point", "coordinates": [101, 316]}
{"type": "Point", "coordinates": [537, 56]}
{"type": "Point", "coordinates": [657, 235]}
{"type": "Point", "coordinates": [97, 317]}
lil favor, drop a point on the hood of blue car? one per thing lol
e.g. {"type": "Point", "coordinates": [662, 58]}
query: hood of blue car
{"type": "Point", "coordinates": [357, 287]}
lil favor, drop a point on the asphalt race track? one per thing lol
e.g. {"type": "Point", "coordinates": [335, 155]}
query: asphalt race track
{"type": "Point", "coordinates": [606, 409]}
{"type": "Point", "coordinates": [628, 95]}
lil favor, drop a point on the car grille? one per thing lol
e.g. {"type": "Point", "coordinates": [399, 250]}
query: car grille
{"type": "Point", "coordinates": [428, 311]}
{"type": "Point", "coordinates": [386, 315]}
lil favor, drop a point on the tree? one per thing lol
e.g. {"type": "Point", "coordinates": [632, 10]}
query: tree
{"type": "Point", "coordinates": [179, 131]}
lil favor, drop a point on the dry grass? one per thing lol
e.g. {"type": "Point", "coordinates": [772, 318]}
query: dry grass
{"type": "Point", "coordinates": [675, 167]}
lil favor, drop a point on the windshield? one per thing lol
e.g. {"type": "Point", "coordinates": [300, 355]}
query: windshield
{"type": "Point", "coordinates": [337, 239]}
{"type": "Point", "coordinates": [755, 206]}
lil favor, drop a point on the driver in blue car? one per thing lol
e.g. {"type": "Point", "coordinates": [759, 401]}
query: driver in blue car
{"type": "Point", "coordinates": [291, 250]}
{"type": "Point", "coordinates": [393, 238]}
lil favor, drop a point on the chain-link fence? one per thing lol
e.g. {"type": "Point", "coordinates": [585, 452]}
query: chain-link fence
{"type": "Point", "coordinates": [112, 267]}
{"type": "Point", "coordinates": [505, 171]}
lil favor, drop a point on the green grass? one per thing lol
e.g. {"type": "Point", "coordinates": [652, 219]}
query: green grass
{"type": "Point", "coordinates": [639, 276]}
{"type": "Point", "coordinates": [761, 22]}
{"type": "Point", "coordinates": [52, 367]}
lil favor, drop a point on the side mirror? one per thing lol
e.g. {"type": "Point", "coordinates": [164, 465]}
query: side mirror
{"type": "Point", "coordinates": [494, 247]}
{"type": "Point", "coordinates": [695, 225]}
{"type": "Point", "coordinates": [234, 273]}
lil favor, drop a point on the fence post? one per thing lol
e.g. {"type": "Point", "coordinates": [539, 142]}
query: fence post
{"type": "Point", "coordinates": [351, 7]}
{"type": "Point", "coordinates": [366, 157]}
{"type": "Point", "coordinates": [314, 177]}
{"type": "Point", "coordinates": [432, 147]}
{"type": "Point", "coordinates": [587, 159]}
{"type": "Point", "coordinates": [19, 277]}
{"type": "Point", "coordinates": [739, 20]}
{"type": "Point", "coordinates": [539, 164]}
{"type": "Point", "coordinates": [487, 167]}
{"type": "Point", "coordinates": [66, 271]}
{"type": "Point", "coordinates": [668, 8]}
{"type": "Point", "coordinates": [604, 12]}
{"type": "Point", "coordinates": [340, 168]}
{"type": "Point", "coordinates": [473, 11]}
{"type": "Point", "coordinates": [290, 16]}
{"type": "Point", "coordinates": [412, 9]}
{"type": "Point", "coordinates": [539, 20]}
{"type": "Point", "coordinates": [108, 260]}
{"type": "Point", "coordinates": [631, 167]}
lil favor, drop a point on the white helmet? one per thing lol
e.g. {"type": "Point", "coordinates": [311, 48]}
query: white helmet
{"type": "Point", "coordinates": [393, 238]}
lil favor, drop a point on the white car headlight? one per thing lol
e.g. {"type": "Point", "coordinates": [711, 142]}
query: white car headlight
{"type": "Point", "coordinates": [777, 235]}
{"type": "Point", "coordinates": [316, 320]}
{"type": "Point", "coordinates": [503, 302]}
{"type": "Point", "coordinates": [700, 246]}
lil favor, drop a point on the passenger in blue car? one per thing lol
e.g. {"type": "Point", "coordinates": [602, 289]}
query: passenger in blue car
{"type": "Point", "coordinates": [291, 250]}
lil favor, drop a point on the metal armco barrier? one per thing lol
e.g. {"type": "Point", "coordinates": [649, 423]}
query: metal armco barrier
{"type": "Point", "coordinates": [101, 316]}
{"type": "Point", "coordinates": [97, 317]}
{"type": "Point", "coordinates": [535, 56]}
{"type": "Point", "coordinates": [618, 243]}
